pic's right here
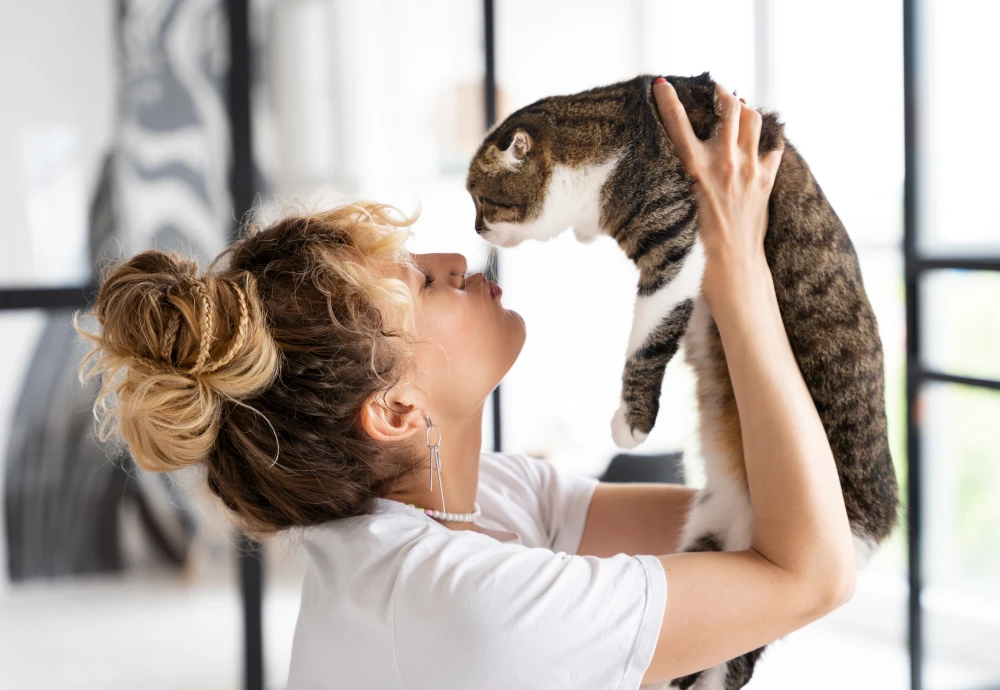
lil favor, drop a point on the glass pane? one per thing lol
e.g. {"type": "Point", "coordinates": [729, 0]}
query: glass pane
{"type": "Point", "coordinates": [56, 127]}
{"type": "Point", "coordinates": [961, 322]}
{"type": "Point", "coordinates": [392, 114]}
{"type": "Point", "coordinates": [667, 45]}
{"type": "Point", "coordinates": [173, 146]}
{"type": "Point", "coordinates": [962, 457]}
{"type": "Point", "coordinates": [882, 272]}
{"type": "Point", "coordinates": [818, 52]}
{"type": "Point", "coordinates": [959, 55]}
{"type": "Point", "coordinates": [534, 60]}
{"type": "Point", "coordinates": [21, 332]}
{"type": "Point", "coordinates": [559, 398]}
{"type": "Point", "coordinates": [961, 460]}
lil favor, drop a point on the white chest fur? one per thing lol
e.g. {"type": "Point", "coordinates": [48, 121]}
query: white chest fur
{"type": "Point", "coordinates": [650, 310]}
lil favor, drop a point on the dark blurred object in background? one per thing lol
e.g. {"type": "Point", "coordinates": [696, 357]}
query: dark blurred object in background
{"type": "Point", "coordinates": [666, 468]}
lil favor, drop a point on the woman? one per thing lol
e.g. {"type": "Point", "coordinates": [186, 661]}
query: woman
{"type": "Point", "coordinates": [328, 380]}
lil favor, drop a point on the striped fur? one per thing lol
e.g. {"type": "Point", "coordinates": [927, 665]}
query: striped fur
{"type": "Point", "coordinates": [600, 161]}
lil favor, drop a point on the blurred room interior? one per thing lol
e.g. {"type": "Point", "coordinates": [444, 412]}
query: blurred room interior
{"type": "Point", "coordinates": [136, 123]}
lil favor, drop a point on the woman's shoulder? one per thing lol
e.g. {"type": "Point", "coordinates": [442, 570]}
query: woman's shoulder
{"type": "Point", "coordinates": [507, 460]}
{"type": "Point", "coordinates": [547, 500]}
{"type": "Point", "coordinates": [507, 468]}
{"type": "Point", "coordinates": [527, 469]}
{"type": "Point", "coordinates": [522, 474]}
{"type": "Point", "coordinates": [524, 500]}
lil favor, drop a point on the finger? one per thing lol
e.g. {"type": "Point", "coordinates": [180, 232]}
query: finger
{"type": "Point", "coordinates": [770, 162]}
{"type": "Point", "coordinates": [749, 136]}
{"type": "Point", "coordinates": [676, 122]}
{"type": "Point", "coordinates": [729, 107]}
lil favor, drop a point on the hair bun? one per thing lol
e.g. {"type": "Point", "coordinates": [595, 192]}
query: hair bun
{"type": "Point", "coordinates": [172, 347]}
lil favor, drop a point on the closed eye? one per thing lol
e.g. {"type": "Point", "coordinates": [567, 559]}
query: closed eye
{"type": "Point", "coordinates": [429, 280]}
{"type": "Point", "coordinates": [494, 203]}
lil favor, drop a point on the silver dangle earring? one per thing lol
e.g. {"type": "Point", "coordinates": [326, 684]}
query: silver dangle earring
{"type": "Point", "coordinates": [435, 458]}
{"type": "Point", "coordinates": [435, 465]}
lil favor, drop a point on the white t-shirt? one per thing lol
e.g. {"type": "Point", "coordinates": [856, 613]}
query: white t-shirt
{"type": "Point", "coordinates": [394, 600]}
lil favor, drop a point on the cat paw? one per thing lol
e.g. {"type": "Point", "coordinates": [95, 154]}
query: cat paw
{"type": "Point", "coordinates": [584, 236]}
{"type": "Point", "coordinates": [623, 434]}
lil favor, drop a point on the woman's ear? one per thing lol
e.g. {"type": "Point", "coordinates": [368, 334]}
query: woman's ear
{"type": "Point", "coordinates": [389, 416]}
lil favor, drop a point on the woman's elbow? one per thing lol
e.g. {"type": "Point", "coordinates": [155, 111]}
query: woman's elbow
{"type": "Point", "coordinates": [835, 589]}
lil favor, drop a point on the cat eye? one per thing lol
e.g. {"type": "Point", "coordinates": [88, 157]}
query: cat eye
{"type": "Point", "coordinates": [493, 203]}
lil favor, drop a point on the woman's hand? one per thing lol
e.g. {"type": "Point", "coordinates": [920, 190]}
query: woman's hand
{"type": "Point", "coordinates": [732, 186]}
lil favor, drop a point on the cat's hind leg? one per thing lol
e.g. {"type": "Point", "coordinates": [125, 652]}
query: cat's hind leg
{"type": "Point", "coordinates": [722, 517]}
{"type": "Point", "coordinates": [721, 520]}
{"type": "Point", "coordinates": [732, 675]}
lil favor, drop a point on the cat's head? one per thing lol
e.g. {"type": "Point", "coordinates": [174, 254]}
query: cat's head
{"type": "Point", "coordinates": [700, 100]}
{"type": "Point", "coordinates": [508, 178]}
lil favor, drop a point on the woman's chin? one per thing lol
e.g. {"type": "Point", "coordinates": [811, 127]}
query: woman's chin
{"type": "Point", "coordinates": [521, 327]}
{"type": "Point", "coordinates": [520, 342]}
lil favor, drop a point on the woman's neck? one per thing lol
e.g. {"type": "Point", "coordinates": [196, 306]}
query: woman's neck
{"type": "Point", "coordinates": [461, 443]}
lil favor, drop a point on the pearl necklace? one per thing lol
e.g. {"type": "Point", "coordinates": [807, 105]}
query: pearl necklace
{"type": "Point", "coordinates": [452, 517]}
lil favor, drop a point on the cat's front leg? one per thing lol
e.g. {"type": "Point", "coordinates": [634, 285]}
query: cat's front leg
{"type": "Point", "coordinates": [643, 377]}
{"type": "Point", "coordinates": [660, 320]}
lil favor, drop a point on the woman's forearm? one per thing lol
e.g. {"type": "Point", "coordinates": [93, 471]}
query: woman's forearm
{"type": "Point", "coordinates": [635, 518]}
{"type": "Point", "coordinates": [799, 519]}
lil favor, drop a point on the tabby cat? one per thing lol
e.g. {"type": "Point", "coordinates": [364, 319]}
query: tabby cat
{"type": "Point", "coordinates": [600, 161]}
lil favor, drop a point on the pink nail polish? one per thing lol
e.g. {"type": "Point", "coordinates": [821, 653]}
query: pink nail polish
{"type": "Point", "coordinates": [659, 80]}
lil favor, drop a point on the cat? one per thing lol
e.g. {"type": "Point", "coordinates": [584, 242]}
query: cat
{"type": "Point", "coordinates": [601, 162]}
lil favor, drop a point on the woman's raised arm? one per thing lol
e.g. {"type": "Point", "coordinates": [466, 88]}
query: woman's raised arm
{"type": "Point", "coordinates": [800, 565]}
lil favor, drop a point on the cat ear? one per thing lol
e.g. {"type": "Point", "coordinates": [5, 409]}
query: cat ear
{"type": "Point", "coordinates": [513, 155]}
{"type": "Point", "coordinates": [520, 144]}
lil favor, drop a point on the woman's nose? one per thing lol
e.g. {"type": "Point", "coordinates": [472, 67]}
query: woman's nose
{"type": "Point", "coordinates": [460, 268]}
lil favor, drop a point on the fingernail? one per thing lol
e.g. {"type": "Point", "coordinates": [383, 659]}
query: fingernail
{"type": "Point", "coordinates": [659, 80]}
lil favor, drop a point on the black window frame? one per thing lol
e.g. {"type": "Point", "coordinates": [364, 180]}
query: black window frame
{"type": "Point", "coordinates": [915, 266]}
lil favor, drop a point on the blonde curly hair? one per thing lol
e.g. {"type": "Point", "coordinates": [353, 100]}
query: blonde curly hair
{"type": "Point", "coordinates": [258, 369]}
